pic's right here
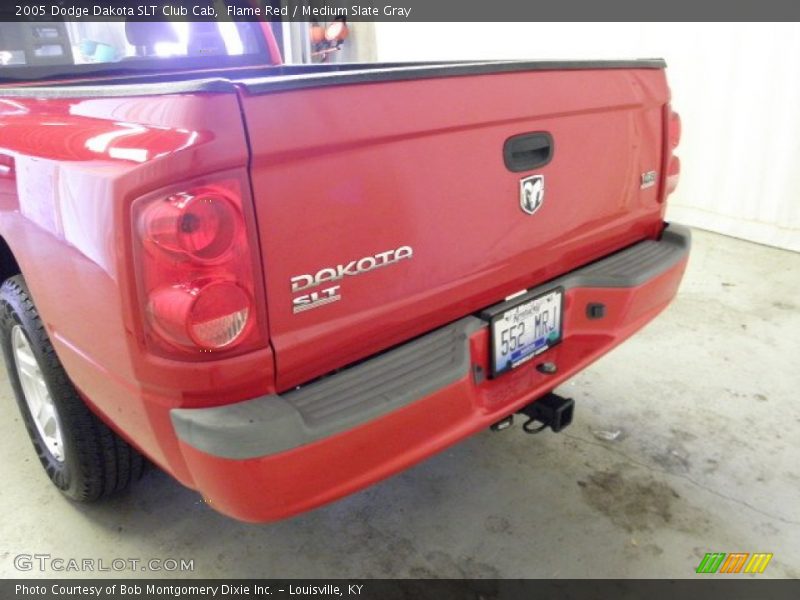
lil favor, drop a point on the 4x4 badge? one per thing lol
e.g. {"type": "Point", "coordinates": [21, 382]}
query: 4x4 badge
{"type": "Point", "coordinates": [531, 193]}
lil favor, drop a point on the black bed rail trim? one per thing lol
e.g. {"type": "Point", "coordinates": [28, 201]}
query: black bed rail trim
{"type": "Point", "coordinates": [265, 80]}
{"type": "Point", "coordinates": [103, 89]}
{"type": "Point", "coordinates": [404, 72]}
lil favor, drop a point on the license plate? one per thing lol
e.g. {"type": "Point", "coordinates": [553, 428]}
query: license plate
{"type": "Point", "coordinates": [525, 330]}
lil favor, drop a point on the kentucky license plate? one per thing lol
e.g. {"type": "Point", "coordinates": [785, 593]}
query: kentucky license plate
{"type": "Point", "coordinates": [526, 330]}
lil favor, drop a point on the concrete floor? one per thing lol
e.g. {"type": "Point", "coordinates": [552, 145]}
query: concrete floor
{"type": "Point", "coordinates": [705, 400]}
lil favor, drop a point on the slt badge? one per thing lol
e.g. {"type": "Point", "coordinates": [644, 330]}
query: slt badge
{"type": "Point", "coordinates": [531, 193]}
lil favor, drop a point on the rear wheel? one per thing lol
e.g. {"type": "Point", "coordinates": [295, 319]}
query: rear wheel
{"type": "Point", "coordinates": [81, 455]}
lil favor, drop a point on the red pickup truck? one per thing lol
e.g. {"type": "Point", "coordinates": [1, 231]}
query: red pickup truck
{"type": "Point", "coordinates": [282, 283]}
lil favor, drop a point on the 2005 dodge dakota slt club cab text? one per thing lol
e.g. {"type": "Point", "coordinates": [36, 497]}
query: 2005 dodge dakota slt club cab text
{"type": "Point", "coordinates": [282, 283]}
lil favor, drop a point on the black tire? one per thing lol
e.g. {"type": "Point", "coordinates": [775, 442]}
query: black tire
{"type": "Point", "coordinates": [96, 461]}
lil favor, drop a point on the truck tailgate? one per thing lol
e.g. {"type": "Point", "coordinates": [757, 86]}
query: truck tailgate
{"type": "Point", "coordinates": [352, 169]}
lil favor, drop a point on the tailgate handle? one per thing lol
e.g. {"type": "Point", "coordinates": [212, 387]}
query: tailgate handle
{"type": "Point", "coordinates": [528, 151]}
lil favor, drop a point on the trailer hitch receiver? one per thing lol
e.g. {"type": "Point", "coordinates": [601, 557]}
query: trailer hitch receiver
{"type": "Point", "coordinates": [551, 410]}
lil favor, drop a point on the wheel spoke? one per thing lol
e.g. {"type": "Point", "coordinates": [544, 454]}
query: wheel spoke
{"type": "Point", "coordinates": [24, 352]}
{"type": "Point", "coordinates": [26, 362]}
{"type": "Point", "coordinates": [26, 370]}
{"type": "Point", "coordinates": [34, 390]}
{"type": "Point", "coordinates": [41, 388]}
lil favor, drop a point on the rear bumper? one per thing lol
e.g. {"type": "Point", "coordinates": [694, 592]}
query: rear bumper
{"type": "Point", "coordinates": [278, 455]}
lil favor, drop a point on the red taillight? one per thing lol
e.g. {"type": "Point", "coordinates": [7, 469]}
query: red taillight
{"type": "Point", "coordinates": [674, 129]}
{"type": "Point", "coordinates": [673, 164]}
{"type": "Point", "coordinates": [210, 316]}
{"type": "Point", "coordinates": [220, 315]}
{"type": "Point", "coordinates": [202, 224]}
{"type": "Point", "coordinates": [673, 174]}
{"type": "Point", "coordinates": [195, 270]}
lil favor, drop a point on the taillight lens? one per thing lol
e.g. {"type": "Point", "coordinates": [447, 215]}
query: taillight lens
{"type": "Point", "coordinates": [219, 315]}
{"type": "Point", "coordinates": [203, 224]}
{"type": "Point", "coordinates": [673, 163]}
{"type": "Point", "coordinates": [673, 174]}
{"type": "Point", "coordinates": [195, 270]}
{"type": "Point", "coordinates": [674, 129]}
{"type": "Point", "coordinates": [209, 315]}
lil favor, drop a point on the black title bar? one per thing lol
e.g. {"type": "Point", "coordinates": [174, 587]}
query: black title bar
{"type": "Point", "coordinates": [400, 10]}
{"type": "Point", "coordinates": [702, 587]}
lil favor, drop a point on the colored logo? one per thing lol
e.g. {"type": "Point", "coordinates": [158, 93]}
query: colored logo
{"type": "Point", "coordinates": [733, 563]}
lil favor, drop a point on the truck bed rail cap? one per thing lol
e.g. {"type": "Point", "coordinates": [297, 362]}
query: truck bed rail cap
{"type": "Point", "coordinates": [401, 72]}
{"type": "Point", "coordinates": [292, 77]}
{"type": "Point", "coordinates": [216, 84]}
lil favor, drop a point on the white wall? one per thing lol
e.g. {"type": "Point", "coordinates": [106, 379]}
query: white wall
{"type": "Point", "coordinates": [736, 86]}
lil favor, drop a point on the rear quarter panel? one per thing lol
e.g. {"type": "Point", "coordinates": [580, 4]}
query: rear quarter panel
{"type": "Point", "coordinates": [74, 166]}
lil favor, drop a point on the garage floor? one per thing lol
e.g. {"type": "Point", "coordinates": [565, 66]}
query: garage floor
{"type": "Point", "coordinates": [704, 414]}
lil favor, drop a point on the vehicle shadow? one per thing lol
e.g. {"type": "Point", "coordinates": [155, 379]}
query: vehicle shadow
{"type": "Point", "coordinates": [396, 528]}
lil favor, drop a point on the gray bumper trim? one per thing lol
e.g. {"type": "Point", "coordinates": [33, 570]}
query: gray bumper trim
{"type": "Point", "coordinates": [333, 404]}
{"type": "Point", "coordinates": [624, 269]}
{"type": "Point", "coordinates": [397, 378]}
{"type": "Point", "coordinates": [637, 264]}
